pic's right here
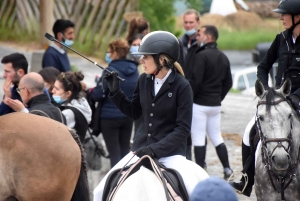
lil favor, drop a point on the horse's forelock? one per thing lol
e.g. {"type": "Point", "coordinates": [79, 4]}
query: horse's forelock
{"type": "Point", "coordinates": [270, 98]}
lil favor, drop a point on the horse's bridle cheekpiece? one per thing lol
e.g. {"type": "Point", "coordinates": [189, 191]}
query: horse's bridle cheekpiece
{"type": "Point", "coordinates": [266, 155]}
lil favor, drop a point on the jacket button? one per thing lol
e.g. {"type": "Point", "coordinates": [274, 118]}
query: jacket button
{"type": "Point", "coordinates": [153, 104]}
{"type": "Point", "coordinates": [151, 115]}
{"type": "Point", "coordinates": [150, 124]}
{"type": "Point", "coordinates": [149, 135]}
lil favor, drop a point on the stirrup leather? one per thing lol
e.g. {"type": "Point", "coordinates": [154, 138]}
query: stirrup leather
{"type": "Point", "coordinates": [246, 183]}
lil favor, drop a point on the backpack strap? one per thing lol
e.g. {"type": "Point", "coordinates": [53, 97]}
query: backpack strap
{"type": "Point", "coordinates": [81, 124]}
{"type": "Point", "coordinates": [39, 112]}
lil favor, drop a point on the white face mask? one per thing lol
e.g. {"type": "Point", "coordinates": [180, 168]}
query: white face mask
{"type": "Point", "coordinates": [203, 42]}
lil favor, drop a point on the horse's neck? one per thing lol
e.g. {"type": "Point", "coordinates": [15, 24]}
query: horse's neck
{"type": "Point", "coordinates": [295, 145]}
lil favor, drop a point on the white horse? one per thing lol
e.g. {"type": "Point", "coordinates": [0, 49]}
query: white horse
{"type": "Point", "coordinates": [143, 185]}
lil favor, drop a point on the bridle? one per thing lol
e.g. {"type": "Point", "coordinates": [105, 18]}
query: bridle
{"type": "Point", "coordinates": [283, 181]}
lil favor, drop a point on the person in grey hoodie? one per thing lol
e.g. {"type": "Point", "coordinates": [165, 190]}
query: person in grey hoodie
{"type": "Point", "coordinates": [116, 127]}
{"type": "Point", "coordinates": [67, 92]}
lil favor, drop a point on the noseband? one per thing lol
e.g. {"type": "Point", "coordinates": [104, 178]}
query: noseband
{"type": "Point", "coordinates": [281, 184]}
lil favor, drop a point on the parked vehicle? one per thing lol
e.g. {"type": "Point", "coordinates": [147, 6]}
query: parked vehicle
{"type": "Point", "coordinates": [244, 79]}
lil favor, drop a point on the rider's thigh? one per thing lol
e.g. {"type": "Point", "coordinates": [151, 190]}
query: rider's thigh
{"type": "Point", "coordinates": [198, 128]}
{"type": "Point", "coordinates": [246, 136]}
{"type": "Point", "coordinates": [191, 173]}
{"type": "Point", "coordinates": [98, 191]}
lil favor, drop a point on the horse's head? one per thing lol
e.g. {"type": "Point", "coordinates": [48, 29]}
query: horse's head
{"type": "Point", "coordinates": [275, 118]}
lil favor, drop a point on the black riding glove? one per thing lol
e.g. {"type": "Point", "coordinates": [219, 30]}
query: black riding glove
{"type": "Point", "coordinates": [112, 82]}
{"type": "Point", "coordinates": [294, 100]}
{"type": "Point", "coordinates": [145, 151]}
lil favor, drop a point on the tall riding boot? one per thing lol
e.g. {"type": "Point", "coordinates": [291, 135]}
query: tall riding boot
{"type": "Point", "coordinates": [189, 148]}
{"type": "Point", "coordinates": [249, 169]}
{"type": "Point", "coordinates": [200, 152]}
{"type": "Point", "coordinates": [223, 156]}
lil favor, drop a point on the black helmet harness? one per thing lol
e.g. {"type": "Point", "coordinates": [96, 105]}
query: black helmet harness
{"type": "Point", "coordinates": [166, 63]}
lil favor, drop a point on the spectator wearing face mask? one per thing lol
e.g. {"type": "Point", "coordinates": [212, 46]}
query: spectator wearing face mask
{"type": "Point", "coordinates": [116, 127]}
{"type": "Point", "coordinates": [134, 47]}
{"type": "Point", "coordinates": [56, 55]}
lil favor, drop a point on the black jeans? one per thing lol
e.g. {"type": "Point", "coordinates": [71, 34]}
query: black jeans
{"type": "Point", "coordinates": [116, 134]}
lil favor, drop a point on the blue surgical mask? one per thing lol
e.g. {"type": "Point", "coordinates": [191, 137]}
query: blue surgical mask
{"type": "Point", "coordinates": [58, 99]}
{"type": "Point", "coordinates": [190, 32]}
{"type": "Point", "coordinates": [135, 49]}
{"type": "Point", "coordinates": [68, 42]}
{"type": "Point", "coordinates": [107, 58]}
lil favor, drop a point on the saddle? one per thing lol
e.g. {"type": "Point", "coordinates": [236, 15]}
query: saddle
{"type": "Point", "coordinates": [170, 179]}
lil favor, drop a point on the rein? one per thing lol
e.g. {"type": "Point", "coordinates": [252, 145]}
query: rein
{"type": "Point", "coordinates": [266, 156]}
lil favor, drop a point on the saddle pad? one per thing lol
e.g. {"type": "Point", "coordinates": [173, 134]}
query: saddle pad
{"type": "Point", "coordinates": [142, 185]}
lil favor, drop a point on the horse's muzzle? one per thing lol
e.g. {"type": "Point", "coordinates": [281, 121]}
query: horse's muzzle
{"type": "Point", "coordinates": [280, 160]}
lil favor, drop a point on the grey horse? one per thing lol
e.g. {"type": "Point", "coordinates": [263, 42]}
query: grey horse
{"type": "Point", "coordinates": [277, 175]}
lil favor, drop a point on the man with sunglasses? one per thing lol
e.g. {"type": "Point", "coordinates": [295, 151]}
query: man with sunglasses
{"type": "Point", "coordinates": [15, 67]}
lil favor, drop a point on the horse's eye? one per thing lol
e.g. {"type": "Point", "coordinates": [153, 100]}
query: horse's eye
{"type": "Point", "coordinates": [290, 116]}
{"type": "Point", "coordinates": [261, 118]}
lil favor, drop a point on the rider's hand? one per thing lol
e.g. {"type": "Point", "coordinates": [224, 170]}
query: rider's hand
{"type": "Point", "coordinates": [112, 82]}
{"type": "Point", "coordinates": [6, 88]}
{"type": "Point", "coordinates": [144, 151]}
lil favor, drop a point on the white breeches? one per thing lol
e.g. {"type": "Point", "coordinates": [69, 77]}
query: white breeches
{"type": "Point", "coordinates": [246, 136]}
{"type": "Point", "coordinates": [206, 119]}
{"type": "Point", "coordinates": [191, 173]}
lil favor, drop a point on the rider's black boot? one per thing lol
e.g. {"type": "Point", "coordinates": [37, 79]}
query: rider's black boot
{"type": "Point", "coordinates": [223, 156]}
{"type": "Point", "coordinates": [244, 186]}
{"type": "Point", "coordinates": [200, 152]}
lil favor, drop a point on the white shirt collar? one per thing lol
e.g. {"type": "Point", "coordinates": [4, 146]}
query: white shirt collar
{"type": "Point", "coordinates": [55, 46]}
{"type": "Point", "coordinates": [161, 81]}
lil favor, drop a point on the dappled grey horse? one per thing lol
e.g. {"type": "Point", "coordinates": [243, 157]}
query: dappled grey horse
{"type": "Point", "coordinates": [277, 175]}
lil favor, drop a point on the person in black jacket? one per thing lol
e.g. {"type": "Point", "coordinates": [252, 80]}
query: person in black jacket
{"type": "Point", "coordinates": [31, 90]}
{"type": "Point", "coordinates": [163, 97]}
{"type": "Point", "coordinates": [286, 49]}
{"type": "Point", "coordinates": [210, 78]}
{"type": "Point", "coordinates": [116, 127]}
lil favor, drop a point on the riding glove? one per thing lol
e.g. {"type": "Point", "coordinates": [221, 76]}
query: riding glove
{"type": "Point", "coordinates": [294, 100]}
{"type": "Point", "coordinates": [112, 82]}
{"type": "Point", "coordinates": [145, 151]}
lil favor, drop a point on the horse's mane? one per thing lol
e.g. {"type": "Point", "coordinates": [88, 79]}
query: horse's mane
{"type": "Point", "coordinates": [270, 97]}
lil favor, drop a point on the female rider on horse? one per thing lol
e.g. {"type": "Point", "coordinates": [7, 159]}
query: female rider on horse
{"type": "Point", "coordinates": [286, 49]}
{"type": "Point", "coordinates": [163, 97]}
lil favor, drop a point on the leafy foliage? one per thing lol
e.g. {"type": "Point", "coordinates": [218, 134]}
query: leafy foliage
{"type": "Point", "coordinates": [195, 4]}
{"type": "Point", "coordinates": [160, 14]}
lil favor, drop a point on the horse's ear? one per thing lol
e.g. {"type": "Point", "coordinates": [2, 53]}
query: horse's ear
{"type": "Point", "coordinates": [259, 88]}
{"type": "Point", "coordinates": [286, 88]}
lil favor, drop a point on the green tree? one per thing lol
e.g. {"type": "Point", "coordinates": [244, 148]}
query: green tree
{"type": "Point", "coordinates": [195, 4]}
{"type": "Point", "coordinates": [160, 14]}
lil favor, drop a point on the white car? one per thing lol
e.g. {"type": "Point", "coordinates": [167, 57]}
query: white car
{"type": "Point", "coordinates": [244, 79]}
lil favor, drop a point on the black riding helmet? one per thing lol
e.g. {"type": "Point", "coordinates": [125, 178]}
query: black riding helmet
{"type": "Point", "coordinates": [291, 7]}
{"type": "Point", "coordinates": [157, 43]}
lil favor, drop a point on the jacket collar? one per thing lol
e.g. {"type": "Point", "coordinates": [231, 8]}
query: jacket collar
{"type": "Point", "coordinates": [36, 100]}
{"type": "Point", "coordinates": [164, 87]}
{"type": "Point", "coordinates": [212, 45]}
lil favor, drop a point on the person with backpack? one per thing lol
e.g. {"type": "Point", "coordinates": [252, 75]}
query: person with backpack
{"type": "Point", "coordinates": [67, 92]}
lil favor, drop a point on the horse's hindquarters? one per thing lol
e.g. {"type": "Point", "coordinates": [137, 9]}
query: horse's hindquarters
{"type": "Point", "coordinates": [39, 159]}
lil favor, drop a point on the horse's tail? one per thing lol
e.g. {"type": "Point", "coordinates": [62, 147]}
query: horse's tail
{"type": "Point", "coordinates": [81, 192]}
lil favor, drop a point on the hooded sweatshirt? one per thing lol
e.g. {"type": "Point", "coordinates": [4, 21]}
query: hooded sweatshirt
{"type": "Point", "coordinates": [126, 69]}
{"type": "Point", "coordinates": [83, 106]}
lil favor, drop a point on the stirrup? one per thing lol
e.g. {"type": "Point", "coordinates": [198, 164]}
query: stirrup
{"type": "Point", "coordinates": [246, 183]}
{"type": "Point", "coordinates": [230, 178]}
